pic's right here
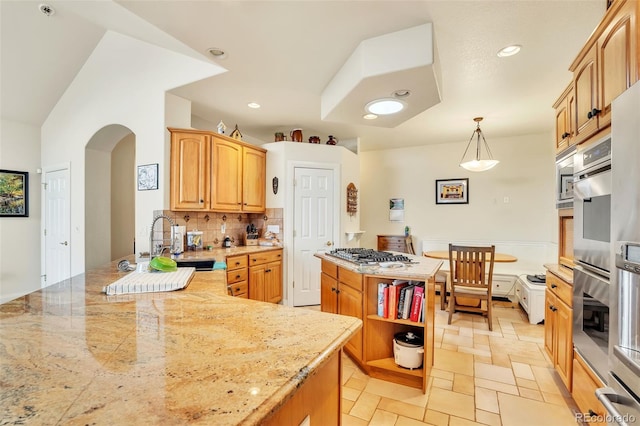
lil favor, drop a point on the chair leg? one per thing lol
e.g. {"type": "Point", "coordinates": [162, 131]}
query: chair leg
{"type": "Point", "coordinates": [452, 302]}
{"type": "Point", "coordinates": [443, 296]}
{"type": "Point", "coordinates": [489, 316]}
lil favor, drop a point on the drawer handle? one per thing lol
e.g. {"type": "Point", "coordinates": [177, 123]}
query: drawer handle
{"type": "Point", "coordinates": [553, 308]}
{"type": "Point", "coordinates": [237, 288]}
{"type": "Point", "coordinates": [237, 263]}
{"type": "Point", "coordinates": [268, 270]}
{"type": "Point", "coordinates": [554, 286]}
{"type": "Point", "coordinates": [237, 276]}
{"type": "Point", "coordinates": [333, 289]}
{"type": "Point", "coordinates": [565, 135]}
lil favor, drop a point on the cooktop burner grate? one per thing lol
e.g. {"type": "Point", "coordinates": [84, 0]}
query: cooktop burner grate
{"type": "Point", "coordinates": [367, 256]}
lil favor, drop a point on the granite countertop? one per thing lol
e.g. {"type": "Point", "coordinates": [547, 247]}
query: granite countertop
{"type": "Point", "coordinates": [71, 354]}
{"type": "Point", "coordinates": [220, 253]}
{"type": "Point", "coordinates": [562, 272]}
{"type": "Point", "coordinates": [421, 269]}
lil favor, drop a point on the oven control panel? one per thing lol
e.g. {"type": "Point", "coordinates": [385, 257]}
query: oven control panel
{"type": "Point", "coordinates": [629, 258]}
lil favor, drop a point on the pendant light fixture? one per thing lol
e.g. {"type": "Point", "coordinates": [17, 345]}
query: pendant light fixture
{"type": "Point", "coordinates": [476, 164]}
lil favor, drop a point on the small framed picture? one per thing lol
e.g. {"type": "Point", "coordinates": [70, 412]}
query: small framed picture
{"type": "Point", "coordinates": [147, 177]}
{"type": "Point", "coordinates": [452, 191]}
{"type": "Point", "coordinates": [14, 193]}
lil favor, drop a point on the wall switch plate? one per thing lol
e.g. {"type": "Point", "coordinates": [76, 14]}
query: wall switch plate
{"type": "Point", "coordinates": [274, 229]}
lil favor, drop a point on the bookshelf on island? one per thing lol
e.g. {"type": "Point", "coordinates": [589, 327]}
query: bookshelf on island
{"type": "Point", "coordinates": [351, 289]}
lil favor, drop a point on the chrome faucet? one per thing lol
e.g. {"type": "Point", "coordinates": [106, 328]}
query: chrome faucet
{"type": "Point", "coordinates": [157, 251]}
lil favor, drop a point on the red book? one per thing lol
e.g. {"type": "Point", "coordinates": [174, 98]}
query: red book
{"type": "Point", "coordinates": [418, 292]}
{"type": "Point", "coordinates": [385, 303]}
{"type": "Point", "coordinates": [394, 295]}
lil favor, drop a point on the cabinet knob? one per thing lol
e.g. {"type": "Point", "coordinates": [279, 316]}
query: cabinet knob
{"type": "Point", "coordinates": [333, 289]}
{"type": "Point", "coordinates": [593, 113]}
{"type": "Point", "coordinates": [268, 270]}
{"type": "Point", "coordinates": [592, 413]}
{"type": "Point", "coordinates": [554, 286]}
{"type": "Point", "coordinates": [337, 291]}
{"type": "Point", "coordinates": [565, 135]}
{"type": "Point", "coordinates": [237, 276]}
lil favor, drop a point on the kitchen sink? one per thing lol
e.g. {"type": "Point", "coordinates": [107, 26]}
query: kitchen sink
{"type": "Point", "coordinates": [200, 265]}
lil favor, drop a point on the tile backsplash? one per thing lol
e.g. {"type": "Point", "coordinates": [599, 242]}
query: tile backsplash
{"type": "Point", "coordinates": [210, 223]}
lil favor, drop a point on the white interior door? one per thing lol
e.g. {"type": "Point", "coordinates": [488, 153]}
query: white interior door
{"type": "Point", "coordinates": [57, 226]}
{"type": "Point", "coordinates": [313, 230]}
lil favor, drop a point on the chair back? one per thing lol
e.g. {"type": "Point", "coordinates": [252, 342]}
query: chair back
{"type": "Point", "coordinates": [471, 266]}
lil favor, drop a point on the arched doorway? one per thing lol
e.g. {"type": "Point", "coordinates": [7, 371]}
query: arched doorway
{"type": "Point", "coordinates": [109, 195]}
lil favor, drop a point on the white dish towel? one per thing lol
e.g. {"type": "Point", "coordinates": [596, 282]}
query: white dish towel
{"type": "Point", "coordinates": [149, 282]}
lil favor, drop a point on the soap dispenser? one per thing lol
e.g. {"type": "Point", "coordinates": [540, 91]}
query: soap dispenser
{"type": "Point", "coordinates": [227, 242]}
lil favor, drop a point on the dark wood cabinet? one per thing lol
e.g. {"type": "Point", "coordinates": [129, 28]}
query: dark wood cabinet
{"type": "Point", "coordinates": [399, 243]}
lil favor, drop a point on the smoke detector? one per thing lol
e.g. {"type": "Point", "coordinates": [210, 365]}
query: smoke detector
{"type": "Point", "coordinates": [46, 9]}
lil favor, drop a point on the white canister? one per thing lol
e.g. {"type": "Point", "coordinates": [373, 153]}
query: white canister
{"type": "Point", "coordinates": [408, 350]}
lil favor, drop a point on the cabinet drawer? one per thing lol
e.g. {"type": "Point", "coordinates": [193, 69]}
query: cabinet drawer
{"type": "Point", "coordinates": [265, 257]}
{"type": "Point", "coordinates": [585, 384]}
{"type": "Point", "coordinates": [237, 276]}
{"type": "Point", "coordinates": [330, 269]}
{"type": "Point", "coordinates": [560, 288]}
{"type": "Point", "coordinates": [352, 279]}
{"type": "Point", "coordinates": [236, 262]}
{"type": "Point", "coordinates": [240, 289]}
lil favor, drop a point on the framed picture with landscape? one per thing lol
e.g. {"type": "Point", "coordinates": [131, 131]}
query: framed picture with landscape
{"type": "Point", "coordinates": [14, 193]}
{"type": "Point", "coordinates": [452, 191]}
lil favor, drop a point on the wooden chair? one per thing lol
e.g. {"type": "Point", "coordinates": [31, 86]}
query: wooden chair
{"type": "Point", "coordinates": [470, 276]}
{"type": "Point", "coordinates": [408, 243]}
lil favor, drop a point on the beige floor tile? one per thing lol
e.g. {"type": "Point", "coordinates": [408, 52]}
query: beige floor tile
{"type": "Point", "coordinates": [451, 339]}
{"type": "Point", "coordinates": [556, 399]}
{"type": "Point", "coordinates": [463, 384]}
{"type": "Point", "coordinates": [457, 421]}
{"type": "Point", "coordinates": [365, 406]}
{"type": "Point", "coordinates": [346, 405]}
{"type": "Point", "coordinates": [348, 420]}
{"type": "Point", "coordinates": [501, 359]}
{"type": "Point", "coordinates": [548, 380]}
{"type": "Point", "coordinates": [448, 347]}
{"type": "Point", "coordinates": [486, 354]}
{"type": "Point", "coordinates": [532, 394]}
{"type": "Point", "coordinates": [483, 359]}
{"type": "Point", "coordinates": [383, 418]}
{"type": "Point", "coordinates": [443, 383]}
{"type": "Point", "coordinates": [486, 418]}
{"type": "Point", "coordinates": [350, 393]}
{"type": "Point", "coordinates": [524, 383]}
{"type": "Point", "coordinates": [452, 403]}
{"type": "Point", "coordinates": [494, 372]}
{"type": "Point", "coordinates": [441, 374]}
{"type": "Point", "coordinates": [523, 371]}
{"type": "Point", "coordinates": [534, 359]}
{"type": "Point", "coordinates": [481, 339]}
{"type": "Point", "coordinates": [355, 383]}
{"type": "Point", "coordinates": [456, 362]}
{"type": "Point", "coordinates": [518, 411]}
{"type": "Point", "coordinates": [437, 418]}
{"type": "Point", "coordinates": [497, 386]}
{"type": "Point", "coordinates": [487, 400]}
{"type": "Point", "coordinates": [401, 408]}
{"type": "Point", "coordinates": [405, 421]}
{"type": "Point", "coordinates": [395, 391]}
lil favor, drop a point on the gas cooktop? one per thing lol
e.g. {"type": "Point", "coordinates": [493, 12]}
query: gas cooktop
{"type": "Point", "coordinates": [362, 256]}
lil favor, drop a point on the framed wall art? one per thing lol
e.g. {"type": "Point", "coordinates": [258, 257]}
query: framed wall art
{"type": "Point", "coordinates": [147, 177]}
{"type": "Point", "coordinates": [452, 191]}
{"type": "Point", "coordinates": [14, 193]}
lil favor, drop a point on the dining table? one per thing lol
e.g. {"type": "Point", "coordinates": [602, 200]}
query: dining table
{"type": "Point", "coordinates": [444, 255]}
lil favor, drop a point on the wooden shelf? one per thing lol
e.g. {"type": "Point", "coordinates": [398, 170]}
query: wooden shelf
{"type": "Point", "coordinates": [390, 364]}
{"type": "Point", "coordinates": [396, 321]}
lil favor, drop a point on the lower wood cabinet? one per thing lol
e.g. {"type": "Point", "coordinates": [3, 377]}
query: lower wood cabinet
{"type": "Point", "coordinates": [585, 383]}
{"type": "Point", "coordinates": [257, 276]}
{"type": "Point", "coordinates": [558, 326]}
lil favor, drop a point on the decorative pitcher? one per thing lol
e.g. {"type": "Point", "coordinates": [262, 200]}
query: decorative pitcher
{"type": "Point", "coordinates": [296, 135]}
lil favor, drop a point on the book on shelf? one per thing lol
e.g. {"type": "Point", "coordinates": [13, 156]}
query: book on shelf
{"type": "Point", "coordinates": [394, 296]}
{"type": "Point", "coordinates": [383, 290]}
{"type": "Point", "coordinates": [404, 293]}
{"type": "Point", "coordinates": [418, 295]}
{"type": "Point", "coordinates": [407, 302]}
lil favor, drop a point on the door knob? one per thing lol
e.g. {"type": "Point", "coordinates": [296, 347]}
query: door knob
{"type": "Point", "coordinates": [329, 243]}
{"type": "Point", "coordinates": [64, 244]}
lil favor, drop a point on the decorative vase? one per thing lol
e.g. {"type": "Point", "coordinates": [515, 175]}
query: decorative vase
{"type": "Point", "coordinates": [279, 136]}
{"type": "Point", "coordinates": [332, 140]}
{"type": "Point", "coordinates": [296, 135]}
{"type": "Point", "coordinates": [314, 139]}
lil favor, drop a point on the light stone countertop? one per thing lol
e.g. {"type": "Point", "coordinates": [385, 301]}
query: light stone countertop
{"type": "Point", "coordinates": [421, 269]}
{"type": "Point", "coordinates": [71, 355]}
{"type": "Point", "coordinates": [219, 253]}
{"type": "Point", "coordinates": [560, 271]}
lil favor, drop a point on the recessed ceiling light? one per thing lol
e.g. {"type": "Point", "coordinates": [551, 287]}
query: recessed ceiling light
{"type": "Point", "coordinates": [384, 106]}
{"type": "Point", "coordinates": [46, 9]}
{"type": "Point", "coordinates": [253, 105]}
{"type": "Point", "coordinates": [217, 53]}
{"type": "Point", "coordinates": [369, 116]}
{"type": "Point", "coordinates": [509, 50]}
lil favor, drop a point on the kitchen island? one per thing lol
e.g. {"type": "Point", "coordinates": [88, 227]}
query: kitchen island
{"type": "Point", "coordinates": [351, 289]}
{"type": "Point", "coordinates": [69, 354]}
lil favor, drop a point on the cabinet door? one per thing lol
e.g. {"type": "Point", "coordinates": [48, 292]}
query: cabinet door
{"type": "Point", "coordinates": [586, 96]}
{"type": "Point", "coordinates": [257, 282]}
{"type": "Point", "coordinates": [328, 294]}
{"type": "Point", "coordinates": [550, 323]}
{"type": "Point", "coordinates": [189, 171]}
{"type": "Point", "coordinates": [350, 303]}
{"type": "Point", "coordinates": [273, 282]}
{"type": "Point", "coordinates": [616, 59]}
{"type": "Point", "coordinates": [254, 165]}
{"type": "Point", "coordinates": [565, 113]}
{"type": "Point", "coordinates": [226, 187]}
{"type": "Point", "coordinates": [564, 342]}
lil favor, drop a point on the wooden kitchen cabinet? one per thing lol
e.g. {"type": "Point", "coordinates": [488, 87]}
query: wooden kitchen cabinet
{"type": "Point", "coordinates": [399, 243]}
{"type": "Point", "coordinates": [565, 237]}
{"type": "Point", "coordinates": [605, 67]}
{"type": "Point", "coordinates": [341, 293]}
{"type": "Point", "coordinates": [558, 324]}
{"type": "Point", "coordinates": [237, 276]}
{"type": "Point", "coordinates": [189, 171]}
{"type": "Point", "coordinates": [265, 276]}
{"type": "Point", "coordinates": [585, 383]}
{"type": "Point", "coordinates": [212, 172]}
{"type": "Point", "coordinates": [565, 111]}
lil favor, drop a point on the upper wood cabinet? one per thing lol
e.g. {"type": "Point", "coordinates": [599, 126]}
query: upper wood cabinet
{"type": "Point", "coordinates": [605, 67]}
{"type": "Point", "coordinates": [212, 172]}
{"type": "Point", "coordinates": [189, 171]}
{"type": "Point", "coordinates": [565, 110]}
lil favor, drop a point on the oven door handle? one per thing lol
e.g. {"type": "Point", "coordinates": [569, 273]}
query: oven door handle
{"type": "Point", "coordinates": [590, 270]}
{"type": "Point", "coordinates": [608, 397]}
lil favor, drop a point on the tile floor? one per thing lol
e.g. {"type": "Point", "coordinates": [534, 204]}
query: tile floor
{"type": "Point", "coordinates": [480, 377]}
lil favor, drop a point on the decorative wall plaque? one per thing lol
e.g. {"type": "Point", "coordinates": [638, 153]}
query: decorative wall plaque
{"type": "Point", "coordinates": [352, 199]}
